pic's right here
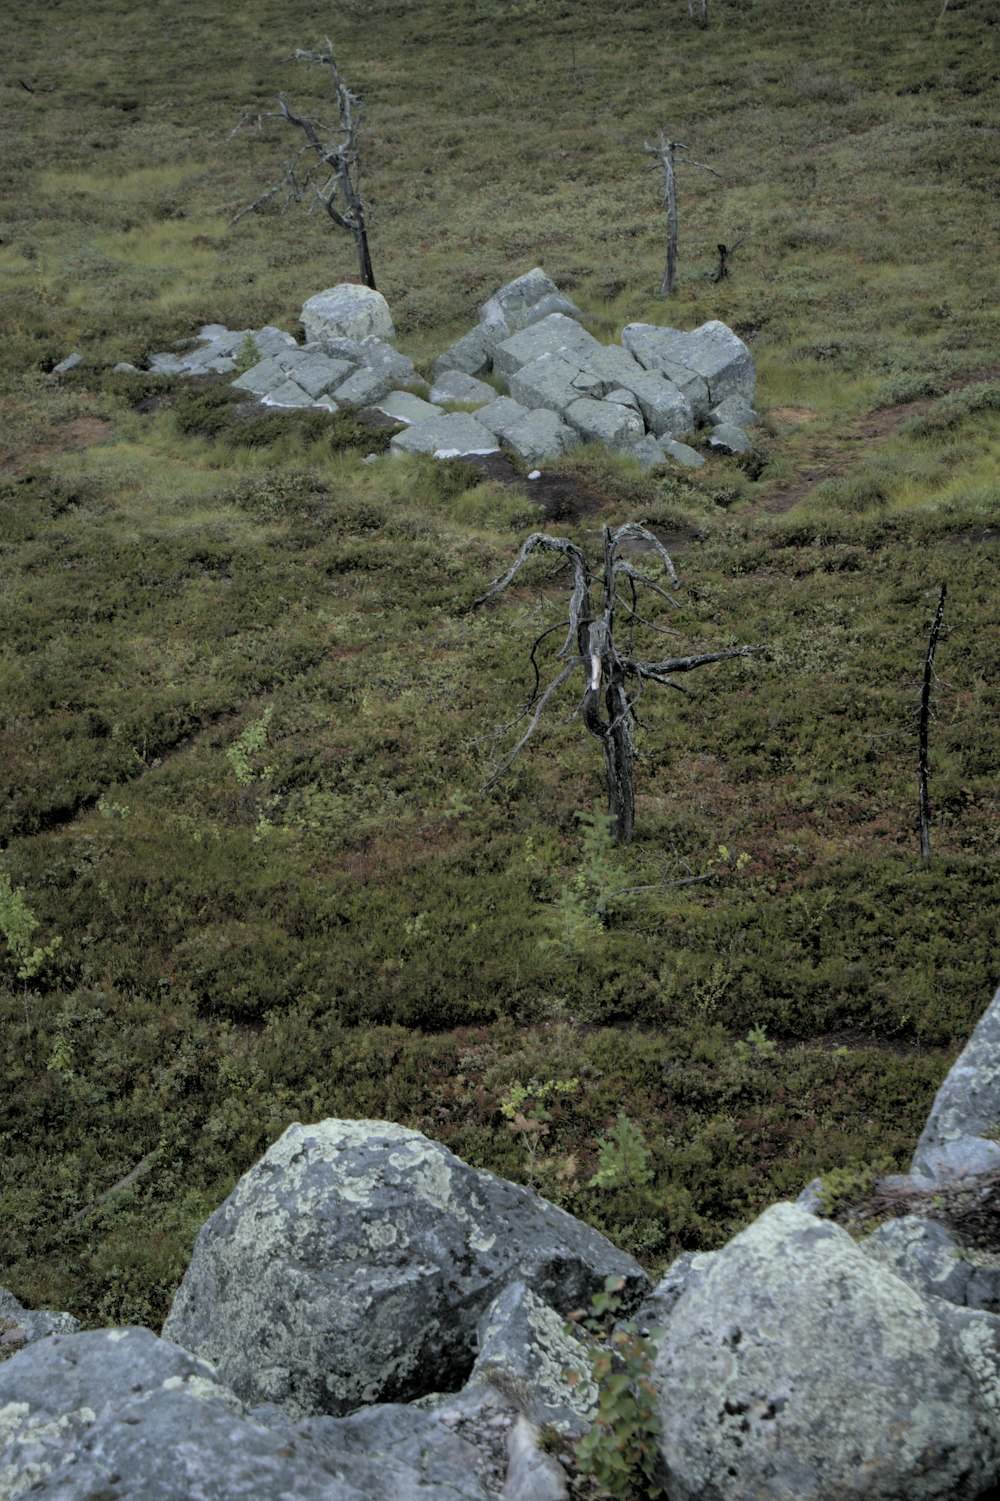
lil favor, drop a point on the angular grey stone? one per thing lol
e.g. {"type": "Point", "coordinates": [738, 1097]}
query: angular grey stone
{"type": "Point", "coordinates": [319, 374]}
{"type": "Point", "coordinates": [212, 330]}
{"type": "Point", "coordinates": [618, 428]}
{"type": "Point", "coordinates": [555, 334]}
{"type": "Point", "coordinates": [456, 385]}
{"type": "Point", "coordinates": [446, 437]}
{"type": "Point", "coordinates": [966, 1157]}
{"type": "Point", "coordinates": [732, 439]}
{"type": "Point", "coordinates": [735, 410]}
{"type": "Point", "coordinates": [683, 454]}
{"type": "Point", "coordinates": [800, 1368]}
{"type": "Point", "coordinates": [363, 388]}
{"type": "Point", "coordinates": [288, 394]}
{"type": "Point", "coordinates": [403, 407]}
{"type": "Point", "coordinates": [268, 375]}
{"type": "Point", "coordinates": [378, 355]}
{"type": "Point", "coordinates": [71, 362]}
{"type": "Point", "coordinates": [553, 302]}
{"type": "Point", "coordinates": [539, 437]}
{"type": "Point", "coordinates": [347, 311]}
{"type": "Point", "coordinates": [167, 364]}
{"type": "Point", "coordinates": [554, 381]}
{"type": "Point", "coordinates": [515, 303]}
{"type": "Point", "coordinates": [532, 1475]}
{"type": "Point", "coordinates": [811, 1197]}
{"type": "Point", "coordinates": [22, 1326]}
{"type": "Point", "coordinates": [923, 1254]}
{"type": "Point", "coordinates": [124, 368]}
{"type": "Point", "coordinates": [352, 1263]}
{"type": "Point", "coordinates": [392, 1450]}
{"type": "Point", "coordinates": [502, 414]}
{"type": "Point", "coordinates": [664, 407]}
{"type": "Point", "coordinates": [472, 353]}
{"type": "Point", "coordinates": [682, 1275]}
{"type": "Point", "coordinates": [623, 398]}
{"type": "Point", "coordinates": [968, 1102]}
{"type": "Point", "coordinates": [712, 352]}
{"type": "Point", "coordinates": [646, 451]}
{"type": "Point", "coordinates": [525, 1349]}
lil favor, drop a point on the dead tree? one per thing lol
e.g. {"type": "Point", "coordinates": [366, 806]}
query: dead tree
{"type": "Point", "coordinates": [326, 170]}
{"type": "Point", "coordinates": [614, 680]}
{"type": "Point", "coordinates": [923, 762]}
{"type": "Point", "coordinates": [703, 11]}
{"type": "Point", "coordinates": [665, 153]}
{"type": "Point", "coordinates": [725, 254]}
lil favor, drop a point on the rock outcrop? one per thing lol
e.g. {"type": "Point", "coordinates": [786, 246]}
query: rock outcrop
{"type": "Point", "coordinates": [367, 1316]}
{"type": "Point", "coordinates": [638, 398]}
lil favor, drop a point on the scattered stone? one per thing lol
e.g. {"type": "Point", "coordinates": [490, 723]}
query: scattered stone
{"type": "Point", "coordinates": [555, 334]}
{"type": "Point", "coordinates": [735, 410]}
{"type": "Point", "coordinates": [525, 1351]}
{"type": "Point", "coordinates": [353, 1262]}
{"type": "Point", "coordinates": [446, 437]}
{"type": "Point", "coordinates": [380, 356]}
{"type": "Point", "coordinates": [319, 375]}
{"type": "Point", "coordinates": [401, 406]}
{"type": "Point", "coordinates": [618, 428]}
{"type": "Point", "coordinates": [799, 1367]}
{"type": "Point", "coordinates": [71, 362]}
{"type": "Point", "coordinates": [647, 451]}
{"type": "Point", "coordinates": [124, 368]}
{"type": "Point", "coordinates": [288, 394]}
{"type": "Point", "coordinates": [554, 381]}
{"type": "Point", "coordinates": [968, 1103]}
{"type": "Point", "coordinates": [363, 388]}
{"type": "Point", "coordinates": [539, 437]}
{"type": "Point", "coordinates": [526, 300]}
{"type": "Point", "coordinates": [711, 353]}
{"type": "Point", "coordinates": [472, 353]}
{"type": "Point", "coordinates": [457, 386]}
{"type": "Point", "coordinates": [347, 311]}
{"type": "Point", "coordinates": [683, 454]}
{"type": "Point", "coordinates": [924, 1255]}
{"type": "Point", "coordinates": [732, 439]}
{"type": "Point", "coordinates": [502, 414]}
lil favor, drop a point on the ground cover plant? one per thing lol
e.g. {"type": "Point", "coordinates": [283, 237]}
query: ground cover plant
{"type": "Point", "coordinates": [248, 873]}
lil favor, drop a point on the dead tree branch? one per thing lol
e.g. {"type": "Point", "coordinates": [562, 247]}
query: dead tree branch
{"type": "Point", "coordinates": [326, 170]}
{"type": "Point", "coordinates": [923, 763]}
{"type": "Point", "coordinates": [665, 152]}
{"type": "Point", "coordinates": [614, 681]}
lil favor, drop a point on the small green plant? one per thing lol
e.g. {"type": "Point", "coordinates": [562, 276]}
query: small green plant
{"type": "Point", "coordinates": [524, 1108]}
{"type": "Point", "coordinates": [623, 1157]}
{"type": "Point", "coordinates": [248, 353]}
{"type": "Point", "coordinates": [253, 740]}
{"type": "Point", "coordinates": [620, 1451]}
{"type": "Point", "coordinates": [18, 924]}
{"type": "Point", "coordinates": [757, 1044]}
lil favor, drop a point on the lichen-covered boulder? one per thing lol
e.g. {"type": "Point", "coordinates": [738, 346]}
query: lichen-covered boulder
{"type": "Point", "coordinates": [353, 1262]}
{"type": "Point", "coordinates": [708, 364]}
{"type": "Point", "coordinates": [22, 1326]}
{"type": "Point", "coordinates": [799, 1369]}
{"type": "Point", "coordinates": [457, 386]}
{"type": "Point", "coordinates": [446, 437]}
{"type": "Point", "coordinates": [555, 334]}
{"type": "Point", "coordinates": [540, 437]}
{"type": "Point", "coordinates": [618, 428]}
{"type": "Point", "coordinates": [554, 381]}
{"type": "Point", "coordinates": [966, 1106]}
{"type": "Point", "coordinates": [526, 1350]}
{"type": "Point", "coordinates": [526, 300]}
{"type": "Point", "coordinates": [347, 311]}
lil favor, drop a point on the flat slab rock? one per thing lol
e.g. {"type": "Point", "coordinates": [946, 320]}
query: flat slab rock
{"type": "Point", "coordinates": [446, 437]}
{"type": "Point", "coordinates": [352, 1264]}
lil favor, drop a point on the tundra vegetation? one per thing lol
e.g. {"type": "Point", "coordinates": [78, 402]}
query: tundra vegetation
{"type": "Point", "coordinates": [249, 871]}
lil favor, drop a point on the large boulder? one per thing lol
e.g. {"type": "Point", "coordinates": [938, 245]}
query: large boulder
{"type": "Point", "coordinates": [22, 1326]}
{"type": "Point", "coordinates": [526, 300]}
{"type": "Point", "coordinates": [555, 334]}
{"type": "Point", "coordinates": [347, 311]}
{"type": "Point", "coordinates": [352, 1264]}
{"type": "Point", "coordinates": [708, 364]}
{"type": "Point", "coordinates": [554, 381]}
{"type": "Point", "coordinates": [446, 437]}
{"type": "Point", "coordinates": [795, 1367]}
{"type": "Point", "coordinates": [966, 1108]}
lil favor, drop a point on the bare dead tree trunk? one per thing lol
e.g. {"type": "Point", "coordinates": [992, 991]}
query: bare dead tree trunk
{"type": "Point", "coordinates": [613, 680]}
{"type": "Point", "coordinates": [725, 254]}
{"type": "Point", "coordinates": [665, 152]}
{"type": "Point", "coordinates": [327, 167]}
{"type": "Point", "coordinates": [923, 763]}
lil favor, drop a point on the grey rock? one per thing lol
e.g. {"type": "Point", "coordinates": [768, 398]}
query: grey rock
{"type": "Point", "coordinates": [618, 428]}
{"type": "Point", "coordinates": [268, 375]}
{"type": "Point", "coordinates": [963, 1157]}
{"type": "Point", "coordinates": [682, 1275]}
{"type": "Point", "coordinates": [363, 388]}
{"type": "Point", "coordinates": [167, 364]}
{"type": "Point", "coordinates": [347, 311]}
{"type": "Point", "coordinates": [352, 1263]}
{"type": "Point", "coordinates": [712, 354]}
{"type": "Point", "coordinates": [404, 407]}
{"type": "Point", "coordinates": [392, 1450]}
{"type": "Point", "coordinates": [664, 407]}
{"type": "Point", "coordinates": [212, 330]}
{"type": "Point", "coordinates": [800, 1369]}
{"type": "Point", "coordinates": [124, 368]}
{"type": "Point", "coordinates": [968, 1102]}
{"type": "Point", "coordinates": [554, 381]}
{"type": "Point", "coordinates": [811, 1197]}
{"type": "Point", "coordinates": [540, 436]}
{"type": "Point", "coordinates": [456, 385]}
{"type": "Point", "coordinates": [518, 303]}
{"type": "Point", "coordinates": [735, 410]}
{"type": "Point", "coordinates": [732, 439]}
{"type": "Point", "coordinates": [320, 375]}
{"type": "Point", "coordinates": [472, 353]}
{"type": "Point", "coordinates": [923, 1254]}
{"type": "Point", "coordinates": [647, 452]}
{"type": "Point", "coordinates": [71, 362]}
{"type": "Point", "coordinates": [525, 1350]}
{"type": "Point", "coordinates": [531, 1474]}
{"type": "Point", "coordinates": [271, 340]}
{"type": "Point", "coordinates": [288, 394]}
{"type": "Point", "coordinates": [624, 398]}
{"type": "Point", "coordinates": [683, 454]}
{"type": "Point", "coordinates": [502, 414]}
{"type": "Point", "coordinates": [22, 1326]}
{"type": "Point", "coordinates": [555, 334]}
{"type": "Point", "coordinates": [446, 437]}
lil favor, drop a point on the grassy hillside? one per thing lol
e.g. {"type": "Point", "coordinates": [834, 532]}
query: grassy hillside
{"type": "Point", "coordinates": [246, 715]}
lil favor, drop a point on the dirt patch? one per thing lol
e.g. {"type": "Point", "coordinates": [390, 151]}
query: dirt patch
{"type": "Point", "coordinates": [792, 415]}
{"type": "Point", "coordinates": [79, 432]}
{"type": "Point", "coordinates": [563, 496]}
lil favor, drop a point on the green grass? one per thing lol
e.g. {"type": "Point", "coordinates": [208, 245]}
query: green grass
{"type": "Point", "coordinates": [350, 926]}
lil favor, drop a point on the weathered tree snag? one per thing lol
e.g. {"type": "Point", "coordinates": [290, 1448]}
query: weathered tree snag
{"type": "Point", "coordinates": [613, 680]}
{"type": "Point", "coordinates": [923, 764]}
{"type": "Point", "coordinates": [725, 253]}
{"type": "Point", "coordinates": [664, 151]}
{"type": "Point", "coordinates": [326, 169]}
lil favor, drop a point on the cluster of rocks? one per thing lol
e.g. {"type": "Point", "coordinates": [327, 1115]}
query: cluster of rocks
{"type": "Point", "coordinates": [555, 385]}
{"type": "Point", "coordinates": [367, 1316]}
